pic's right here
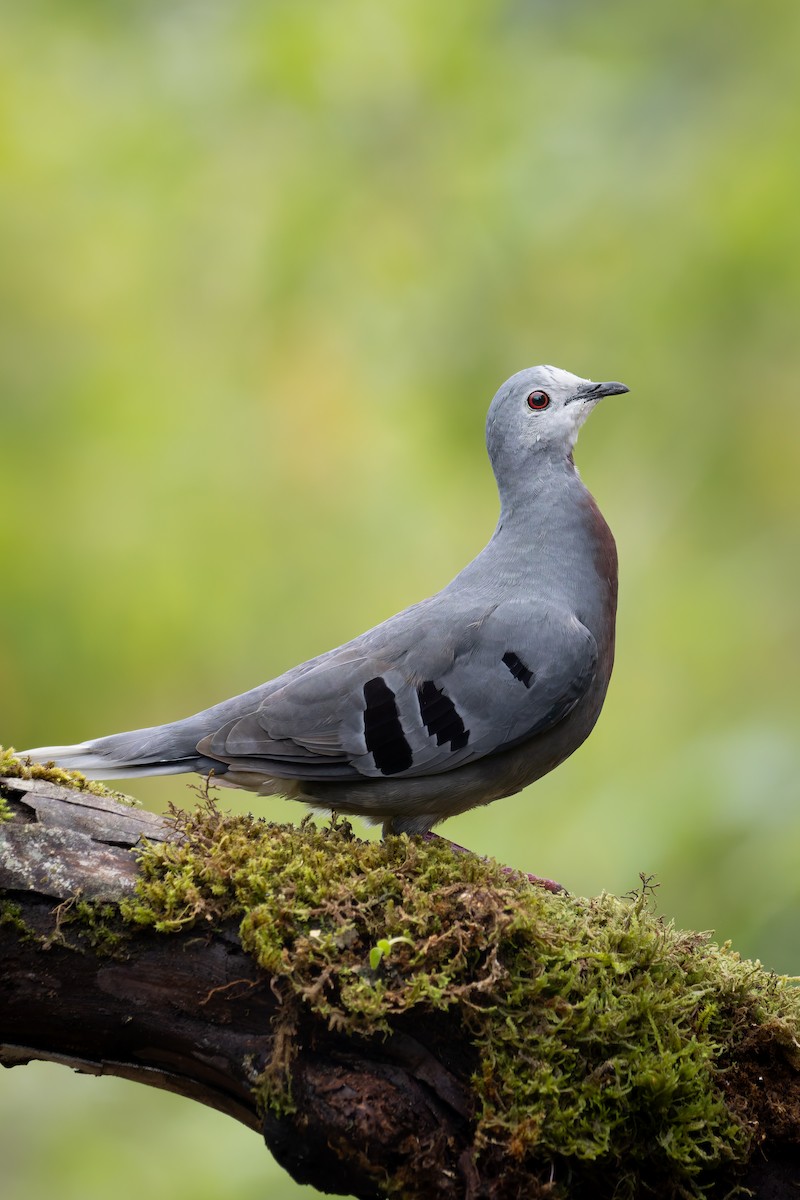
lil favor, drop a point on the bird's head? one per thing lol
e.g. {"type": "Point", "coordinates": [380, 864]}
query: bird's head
{"type": "Point", "coordinates": [539, 410]}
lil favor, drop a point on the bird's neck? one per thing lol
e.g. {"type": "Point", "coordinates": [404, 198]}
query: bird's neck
{"type": "Point", "coordinates": [534, 503]}
{"type": "Point", "coordinates": [551, 531]}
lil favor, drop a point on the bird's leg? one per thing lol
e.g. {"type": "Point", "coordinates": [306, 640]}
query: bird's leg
{"type": "Point", "coordinates": [549, 885]}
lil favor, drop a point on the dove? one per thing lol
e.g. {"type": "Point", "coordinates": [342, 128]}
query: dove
{"type": "Point", "coordinates": [460, 699]}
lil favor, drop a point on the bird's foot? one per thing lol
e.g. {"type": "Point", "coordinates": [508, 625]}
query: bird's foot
{"type": "Point", "coordinates": [549, 885]}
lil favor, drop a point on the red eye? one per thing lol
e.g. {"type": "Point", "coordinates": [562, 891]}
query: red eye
{"type": "Point", "coordinates": [538, 400]}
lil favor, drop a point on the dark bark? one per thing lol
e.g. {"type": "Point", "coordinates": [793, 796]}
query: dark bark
{"type": "Point", "coordinates": [192, 1013]}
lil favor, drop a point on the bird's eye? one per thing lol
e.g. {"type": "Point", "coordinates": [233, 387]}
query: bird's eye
{"type": "Point", "coordinates": [538, 400]}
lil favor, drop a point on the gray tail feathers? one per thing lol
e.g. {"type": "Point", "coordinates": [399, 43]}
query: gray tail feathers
{"type": "Point", "coordinates": [163, 750]}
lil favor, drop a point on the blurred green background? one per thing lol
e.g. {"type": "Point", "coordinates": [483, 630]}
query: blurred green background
{"type": "Point", "coordinates": [263, 266]}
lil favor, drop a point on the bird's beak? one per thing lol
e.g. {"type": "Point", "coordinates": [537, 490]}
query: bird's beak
{"type": "Point", "coordinates": [592, 392]}
{"type": "Point", "coordinates": [595, 390]}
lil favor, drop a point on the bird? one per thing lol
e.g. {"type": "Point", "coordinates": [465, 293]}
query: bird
{"type": "Point", "coordinates": [456, 701]}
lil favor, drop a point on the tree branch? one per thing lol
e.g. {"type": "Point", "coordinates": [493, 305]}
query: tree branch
{"type": "Point", "coordinates": [194, 1014]}
{"type": "Point", "coordinates": [192, 1011]}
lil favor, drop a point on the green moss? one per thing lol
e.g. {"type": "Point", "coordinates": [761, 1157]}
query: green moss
{"type": "Point", "coordinates": [84, 925]}
{"type": "Point", "coordinates": [11, 914]}
{"type": "Point", "coordinates": [75, 925]}
{"type": "Point", "coordinates": [5, 810]}
{"type": "Point", "coordinates": [12, 767]}
{"type": "Point", "coordinates": [601, 1034]}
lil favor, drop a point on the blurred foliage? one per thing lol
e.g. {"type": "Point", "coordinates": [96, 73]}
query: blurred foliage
{"type": "Point", "coordinates": [264, 265]}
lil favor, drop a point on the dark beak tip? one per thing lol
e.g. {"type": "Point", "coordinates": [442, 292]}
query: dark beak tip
{"type": "Point", "coordinates": [613, 389]}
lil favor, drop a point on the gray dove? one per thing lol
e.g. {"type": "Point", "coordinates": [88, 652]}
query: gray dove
{"type": "Point", "coordinates": [458, 700]}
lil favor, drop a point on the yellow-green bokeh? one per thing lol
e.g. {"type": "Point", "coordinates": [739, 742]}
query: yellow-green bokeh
{"type": "Point", "coordinates": [263, 266]}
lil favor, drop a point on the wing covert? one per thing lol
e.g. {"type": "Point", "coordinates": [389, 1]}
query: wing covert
{"type": "Point", "coordinates": [405, 706]}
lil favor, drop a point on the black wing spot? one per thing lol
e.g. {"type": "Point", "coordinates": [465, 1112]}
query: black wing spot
{"type": "Point", "coordinates": [517, 668]}
{"type": "Point", "coordinates": [383, 732]}
{"type": "Point", "coordinates": [440, 716]}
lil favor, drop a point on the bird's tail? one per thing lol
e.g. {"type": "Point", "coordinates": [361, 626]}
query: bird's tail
{"type": "Point", "coordinates": [169, 749]}
{"type": "Point", "coordinates": [163, 750]}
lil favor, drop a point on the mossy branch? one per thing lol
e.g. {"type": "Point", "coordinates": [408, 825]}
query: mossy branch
{"type": "Point", "coordinates": [394, 1018]}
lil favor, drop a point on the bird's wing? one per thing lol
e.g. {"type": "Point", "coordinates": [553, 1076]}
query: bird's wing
{"type": "Point", "coordinates": [424, 693]}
